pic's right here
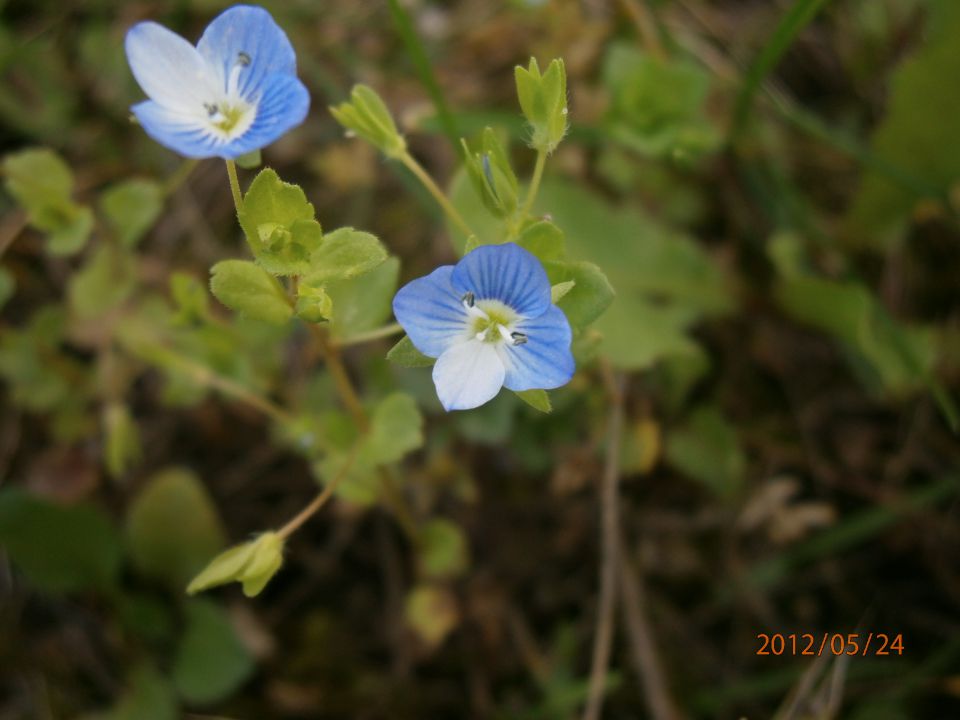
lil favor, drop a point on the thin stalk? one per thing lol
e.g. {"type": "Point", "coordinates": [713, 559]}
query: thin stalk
{"type": "Point", "coordinates": [319, 501]}
{"type": "Point", "coordinates": [424, 177]}
{"type": "Point", "coordinates": [383, 332]}
{"type": "Point", "coordinates": [179, 176]}
{"type": "Point", "coordinates": [534, 183]}
{"type": "Point", "coordinates": [235, 185]}
{"type": "Point", "coordinates": [345, 389]}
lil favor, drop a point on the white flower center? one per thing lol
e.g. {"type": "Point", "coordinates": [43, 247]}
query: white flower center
{"type": "Point", "coordinates": [492, 321]}
{"type": "Point", "coordinates": [231, 115]}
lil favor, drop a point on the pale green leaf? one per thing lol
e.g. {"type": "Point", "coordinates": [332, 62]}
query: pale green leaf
{"type": "Point", "coordinates": [132, 207]}
{"type": "Point", "coordinates": [405, 354]}
{"type": "Point", "coordinates": [343, 254]}
{"type": "Point", "coordinates": [249, 289]}
{"type": "Point", "coordinates": [537, 399]}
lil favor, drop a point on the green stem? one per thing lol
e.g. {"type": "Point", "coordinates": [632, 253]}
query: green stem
{"type": "Point", "coordinates": [179, 176]}
{"type": "Point", "coordinates": [424, 177]}
{"type": "Point", "coordinates": [235, 185]}
{"type": "Point", "coordinates": [385, 331]}
{"type": "Point", "coordinates": [534, 183]}
{"type": "Point", "coordinates": [319, 501]}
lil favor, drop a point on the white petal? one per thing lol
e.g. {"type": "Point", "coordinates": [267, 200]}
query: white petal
{"type": "Point", "coordinates": [468, 374]}
{"type": "Point", "coordinates": [169, 69]}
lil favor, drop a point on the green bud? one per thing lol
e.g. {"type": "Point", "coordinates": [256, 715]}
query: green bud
{"type": "Point", "coordinates": [543, 99]}
{"type": "Point", "coordinates": [252, 564]}
{"type": "Point", "coordinates": [313, 304]}
{"type": "Point", "coordinates": [366, 115]}
{"type": "Point", "coordinates": [491, 175]}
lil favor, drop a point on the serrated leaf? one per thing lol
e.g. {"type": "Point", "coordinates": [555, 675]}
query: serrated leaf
{"type": "Point", "coordinates": [280, 224]}
{"type": "Point", "coordinates": [343, 254]}
{"type": "Point", "coordinates": [537, 399]}
{"type": "Point", "coordinates": [173, 498]}
{"type": "Point", "coordinates": [60, 549]}
{"type": "Point", "coordinates": [210, 661]}
{"type": "Point", "coordinates": [132, 207]}
{"type": "Point", "coordinates": [405, 354]}
{"type": "Point", "coordinates": [251, 290]}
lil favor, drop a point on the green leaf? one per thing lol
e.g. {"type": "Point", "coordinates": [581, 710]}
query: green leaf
{"type": "Point", "coordinates": [431, 611]}
{"type": "Point", "coordinates": [314, 305]}
{"type": "Point", "coordinates": [249, 289]}
{"type": "Point", "coordinates": [405, 354]}
{"type": "Point", "coordinates": [250, 160]}
{"type": "Point", "coordinates": [344, 254]}
{"type": "Point", "coordinates": [917, 138]}
{"type": "Point", "coordinates": [363, 303]}
{"type": "Point", "coordinates": [43, 185]}
{"type": "Point", "coordinates": [543, 239]}
{"type": "Point", "coordinates": [585, 294]}
{"type": "Point", "coordinates": [657, 106]}
{"type": "Point", "coordinates": [132, 207]}
{"type": "Point", "coordinates": [8, 286]}
{"type": "Point", "coordinates": [707, 449]}
{"type": "Point", "coordinates": [366, 115]}
{"type": "Point", "coordinates": [537, 399]}
{"type": "Point", "coordinates": [252, 564]}
{"type": "Point", "coordinates": [280, 225]}
{"type": "Point", "coordinates": [173, 527]}
{"type": "Point", "coordinates": [60, 549]}
{"type": "Point", "coordinates": [104, 282]}
{"type": "Point", "coordinates": [190, 297]}
{"type": "Point", "coordinates": [122, 446]}
{"type": "Point", "coordinates": [396, 428]}
{"type": "Point", "coordinates": [211, 662]}
{"type": "Point", "coordinates": [443, 550]}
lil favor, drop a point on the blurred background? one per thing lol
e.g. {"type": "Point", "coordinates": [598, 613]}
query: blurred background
{"type": "Point", "coordinates": [771, 187]}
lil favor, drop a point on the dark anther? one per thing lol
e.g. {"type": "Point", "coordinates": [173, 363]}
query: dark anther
{"type": "Point", "coordinates": [211, 109]}
{"type": "Point", "coordinates": [243, 59]}
{"type": "Point", "coordinates": [519, 338]}
{"type": "Point", "coordinates": [469, 299]}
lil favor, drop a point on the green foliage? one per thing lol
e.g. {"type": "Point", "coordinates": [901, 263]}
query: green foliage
{"type": "Point", "coordinates": [443, 551]}
{"type": "Point", "coordinates": [103, 283]}
{"type": "Point", "coordinates": [132, 207]}
{"type": "Point", "coordinates": [122, 446]}
{"type": "Point", "coordinates": [706, 448]}
{"type": "Point", "coordinates": [211, 662]}
{"type": "Point", "coordinates": [366, 115]}
{"type": "Point", "coordinates": [543, 239]}
{"type": "Point", "coordinates": [174, 498]}
{"type": "Point", "coordinates": [888, 356]}
{"type": "Point", "coordinates": [280, 225]}
{"type": "Point", "coordinates": [247, 288]}
{"type": "Point", "coordinates": [59, 548]}
{"type": "Point", "coordinates": [657, 106]}
{"type": "Point", "coordinates": [396, 428]}
{"type": "Point", "coordinates": [43, 185]}
{"type": "Point", "coordinates": [363, 303]}
{"type": "Point", "coordinates": [313, 304]}
{"type": "Point", "coordinates": [543, 99]}
{"type": "Point", "coordinates": [405, 354]}
{"type": "Point", "coordinates": [344, 254]}
{"type": "Point", "coordinates": [587, 298]}
{"type": "Point", "coordinates": [916, 140]}
{"type": "Point", "coordinates": [537, 399]}
{"type": "Point", "coordinates": [252, 563]}
{"type": "Point", "coordinates": [491, 175]}
{"type": "Point", "coordinates": [431, 611]}
{"type": "Point", "coordinates": [190, 298]}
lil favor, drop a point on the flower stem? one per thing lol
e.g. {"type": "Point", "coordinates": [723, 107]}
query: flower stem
{"type": "Point", "coordinates": [348, 394]}
{"type": "Point", "coordinates": [534, 183]}
{"type": "Point", "coordinates": [319, 501]}
{"type": "Point", "coordinates": [383, 332]}
{"type": "Point", "coordinates": [424, 177]}
{"type": "Point", "coordinates": [179, 176]}
{"type": "Point", "coordinates": [235, 185]}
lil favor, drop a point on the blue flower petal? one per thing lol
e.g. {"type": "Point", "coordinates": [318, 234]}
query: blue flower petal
{"type": "Point", "coordinates": [283, 105]}
{"type": "Point", "coordinates": [507, 273]}
{"type": "Point", "coordinates": [248, 33]}
{"type": "Point", "coordinates": [544, 361]}
{"type": "Point", "coordinates": [468, 374]}
{"type": "Point", "coordinates": [431, 312]}
{"type": "Point", "coordinates": [169, 69]}
{"type": "Point", "coordinates": [181, 133]}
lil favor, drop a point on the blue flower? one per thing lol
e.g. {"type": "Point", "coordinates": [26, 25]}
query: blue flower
{"type": "Point", "coordinates": [490, 322]}
{"type": "Point", "coordinates": [233, 93]}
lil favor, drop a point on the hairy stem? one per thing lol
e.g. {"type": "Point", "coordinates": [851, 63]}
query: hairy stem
{"type": "Point", "coordinates": [424, 177]}
{"type": "Point", "coordinates": [235, 185]}
{"type": "Point", "coordinates": [534, 184]}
